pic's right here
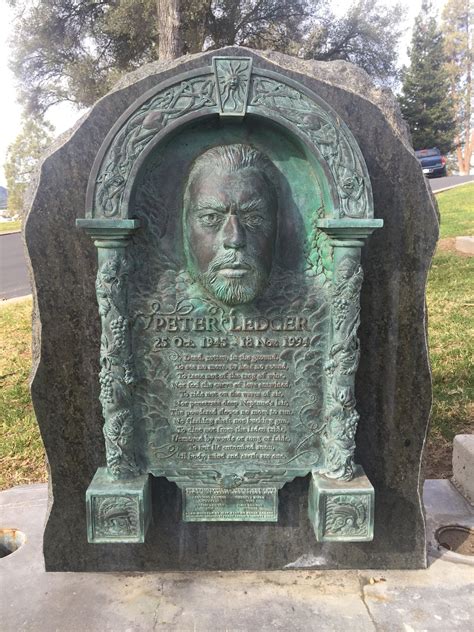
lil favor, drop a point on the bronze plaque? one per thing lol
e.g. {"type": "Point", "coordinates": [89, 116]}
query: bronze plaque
{"type": "Point", "coordinates": [229, 320]}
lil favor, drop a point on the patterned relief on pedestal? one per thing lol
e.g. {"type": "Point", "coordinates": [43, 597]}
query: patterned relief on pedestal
{"type": "Point", "coordinates": [117, 510]}
{"type": "Point", "coordinates": [347, 516]}
{"type": "Point", "coordinates": [341, 367]}
{"type": "Point", "coordinates": [115, 517]}
{"type": "Point", "coordinates": [116, 373]}
{"type": "Point", "coordinates": [342, 511]}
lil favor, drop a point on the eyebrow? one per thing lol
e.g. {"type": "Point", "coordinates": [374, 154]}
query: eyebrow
{"type": "Point", "coordinates": [216, 205]}
{"type": "Point", "coordinates": [209, 204]}
{"type": "Point", "coordinates": [252, 205]}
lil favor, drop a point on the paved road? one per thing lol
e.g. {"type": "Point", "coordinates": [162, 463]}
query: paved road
{"type": "Point", "coordinates": [13, 274]}
{"type": "Point", "coordinates": [450, 181]}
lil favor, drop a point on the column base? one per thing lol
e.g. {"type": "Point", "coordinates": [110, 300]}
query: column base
{"type": "Point", "coordinates": [342, 511]}
{"type": "Point", "coordinates": [118, 511]}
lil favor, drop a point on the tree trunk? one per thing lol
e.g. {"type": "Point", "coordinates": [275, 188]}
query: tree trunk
{"type": "Point", "coordinates": [465, 150]}
{"type": "Point", "coordinates": [195, 24]}
{"type": "Point", "coordinates": [170, 45]}
{"type": "Point", "coordinates": [464, 154]}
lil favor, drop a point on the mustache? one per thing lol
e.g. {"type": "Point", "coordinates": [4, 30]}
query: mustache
{"type": "Point", "coordinates": [230, 257]}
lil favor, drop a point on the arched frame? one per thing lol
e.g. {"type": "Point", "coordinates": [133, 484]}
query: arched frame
{"type": "Point", "coordinates": [204, 93]}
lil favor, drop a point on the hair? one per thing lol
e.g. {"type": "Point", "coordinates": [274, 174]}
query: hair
{"type": "Point", "coordinates": [232, 158]}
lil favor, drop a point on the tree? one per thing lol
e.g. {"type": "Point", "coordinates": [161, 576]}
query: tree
{"type": "Point", "coordinates": [367, 36]}
{"type": "Point", "coordinates": [22, 157]}
{"type": "Point", "coordinates": [457, 26]}
{"type": "Point", "coordinates": [75, 50]}
{"type": "Point", "coordinates": [425, 101]}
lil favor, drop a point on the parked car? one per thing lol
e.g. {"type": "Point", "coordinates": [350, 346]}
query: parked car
{"type": "Point", "coordinates": [432, 162]}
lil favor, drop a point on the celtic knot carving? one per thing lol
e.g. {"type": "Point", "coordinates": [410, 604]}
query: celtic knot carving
{"type": "Point", "coordinates": [139, 130]}
{"type": "Point", "coordinates": [116, 375]}
{"type": "Point", "coordinates": [324, 131]}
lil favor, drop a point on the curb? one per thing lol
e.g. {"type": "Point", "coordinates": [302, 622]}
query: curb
{"type": "Point", "coordinates": [14, 299]}
{"type": "Point", "coordinates": [10, 232]}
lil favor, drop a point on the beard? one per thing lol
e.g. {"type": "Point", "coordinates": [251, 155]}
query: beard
{"type": "Point", "coordinates": [234, 291]}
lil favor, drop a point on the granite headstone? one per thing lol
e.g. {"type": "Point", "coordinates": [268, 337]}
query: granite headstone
{"type": "Point", "coordinates": [199, 388]}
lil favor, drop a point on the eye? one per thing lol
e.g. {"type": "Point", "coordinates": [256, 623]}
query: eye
{"type": "Point", "coordinates": [210, 219]}
{"type": "Point", "coordinates": [253, 220]}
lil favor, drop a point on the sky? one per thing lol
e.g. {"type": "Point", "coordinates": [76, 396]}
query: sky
{"type": "Point", "coordinates": [64, 116]}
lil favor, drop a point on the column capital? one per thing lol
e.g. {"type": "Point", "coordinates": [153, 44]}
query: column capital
{"type": "Point", "coordinates": [349, 232]}
{"type": "Point", "coordinates": [109, 233]}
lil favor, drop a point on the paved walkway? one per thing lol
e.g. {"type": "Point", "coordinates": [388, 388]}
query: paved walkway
{"type": "Point", "coordinates": [437, 599]}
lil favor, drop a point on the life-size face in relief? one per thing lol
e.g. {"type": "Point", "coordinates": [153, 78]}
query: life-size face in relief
{"type": "Point", "coordinates": [230, 222]}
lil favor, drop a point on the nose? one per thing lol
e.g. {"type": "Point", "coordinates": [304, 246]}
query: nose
{"type": "Point", "coordinates": [234, 234]}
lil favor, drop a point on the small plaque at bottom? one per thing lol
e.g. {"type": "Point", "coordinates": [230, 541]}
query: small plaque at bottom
{"type": "Point", "coordinates": [244, 504]}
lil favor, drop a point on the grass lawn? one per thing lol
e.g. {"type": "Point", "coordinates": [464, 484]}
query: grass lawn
{"type": "Point", "coordinates": [450, 298]}
{"type": "Point", "coordinates": [450, 303]}
{"type": "Point", "coordinates": [6, 227]}
{"type": "Point", "coordinates": [21, 450]}
{"type": "Point", "coordinates": [457, 211]}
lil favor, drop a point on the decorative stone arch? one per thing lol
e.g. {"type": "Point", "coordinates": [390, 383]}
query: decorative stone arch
{"type": "Point", "coordinates": [231, 88]}
{"type": "Point", "coordinates": [204, 93]}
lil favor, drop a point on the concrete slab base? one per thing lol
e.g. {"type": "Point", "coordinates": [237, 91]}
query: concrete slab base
{"type": "Point", "coordinates": [437, 599]}
{"type": "Point", "coordinates": [463, 465]}
{"type": "Point", "coordinates": [465, 245]}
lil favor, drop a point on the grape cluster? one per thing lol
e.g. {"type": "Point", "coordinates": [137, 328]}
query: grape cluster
{"type": "Point", "coordinates": [106, 388]}
{"type": "Point", "coordinates": [119, 327]}
{"type": "Point", "coordinates": [340, 309]}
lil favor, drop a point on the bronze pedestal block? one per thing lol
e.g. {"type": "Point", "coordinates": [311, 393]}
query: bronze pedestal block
{"type": "Point", "coordinates": [117, 511]}
{"type": "Point", "coordinates": [342, 511]}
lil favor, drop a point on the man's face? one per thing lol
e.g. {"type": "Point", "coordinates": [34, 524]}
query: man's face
{"type": "Point", "coordinates": [230, 229]}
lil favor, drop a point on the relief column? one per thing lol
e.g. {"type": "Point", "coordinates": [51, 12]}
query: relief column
{"type": "Point", "coordinates": [341, 500]}
{"type": "Point", "coordinates": [118, 498]}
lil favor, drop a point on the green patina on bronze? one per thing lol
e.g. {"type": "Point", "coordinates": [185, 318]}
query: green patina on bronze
{"type": "Point", "coordinates": [230, 302]}
{"type": "Point", "coordinates": [117, 510]}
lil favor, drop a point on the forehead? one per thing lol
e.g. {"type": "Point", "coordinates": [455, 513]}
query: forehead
{"type": "Point", "coordinates": [227, 186]}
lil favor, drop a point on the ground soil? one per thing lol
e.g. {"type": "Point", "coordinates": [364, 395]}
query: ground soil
{"type": "Point", "coordinates": [438, 456]}
{"type": "Point", "coordinates": [448, 243]}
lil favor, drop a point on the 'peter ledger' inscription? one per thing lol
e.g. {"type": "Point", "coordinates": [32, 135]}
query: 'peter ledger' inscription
{"type": "Point", "coordinates": [231, 407]}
